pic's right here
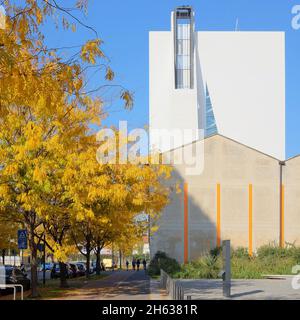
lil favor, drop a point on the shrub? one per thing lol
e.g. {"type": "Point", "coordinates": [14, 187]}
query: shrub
{"type": "Point", "coordinates": [269, 259]}
{"type": "Point", "coordinates": [217, 251]}
{"type": "Point", "coordinates": [162, 261]}
{"type": "Point", "coordinates": [206, 267]}
{"type": "Point", "coordinates": [240, 253]}
{"type": "Point", "coordinates": [210, 265]}
{"type": "Point", "coordinates": [271, 251]}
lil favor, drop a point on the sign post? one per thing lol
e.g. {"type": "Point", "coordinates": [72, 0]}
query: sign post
{"type": "Point", "coordinates": [42, 248]}
{"type": "Point", "coordinates": [22, 242]}
{"type": "Point", "coordinates": [22, 239]}
{"type": "Point", "coordinates": [44, 260]}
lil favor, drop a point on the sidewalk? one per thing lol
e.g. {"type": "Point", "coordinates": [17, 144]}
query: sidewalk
{"type": "Point", "coordinates": [259, 289]}
{"type": "Point", "coordinates": [156, 293]}
{"type": "Point", "coordinates": [120, 285]}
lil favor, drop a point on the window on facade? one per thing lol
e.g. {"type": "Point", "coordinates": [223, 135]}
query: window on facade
{"type": "Point", "coordinates": [183, 48]}
{"type": "Point", "coordinates": [210, 121]}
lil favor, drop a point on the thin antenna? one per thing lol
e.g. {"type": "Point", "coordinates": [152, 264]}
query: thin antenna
{"type": "Point", "coordinates": [236, 24]}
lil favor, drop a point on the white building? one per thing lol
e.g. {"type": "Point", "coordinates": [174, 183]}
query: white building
{"type": "Point", "coordinates": [229, 87]}
{"type": "Point", "coordinates": [231, 83]}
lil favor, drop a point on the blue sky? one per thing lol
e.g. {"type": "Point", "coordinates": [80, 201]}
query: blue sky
{"type": "Point", "coordinates": [124, 26]}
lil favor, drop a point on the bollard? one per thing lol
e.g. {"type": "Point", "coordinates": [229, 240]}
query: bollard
{"type": "Point", "coordinates": [182, 294]}
{"type": "Point", "coordinates": [227, 269]}
{"type": "Point", "coordinates": [173, 290]}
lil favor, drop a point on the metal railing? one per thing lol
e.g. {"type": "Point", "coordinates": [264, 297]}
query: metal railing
{"type": "Point", "coordinates": [14, 287]}
{"type": "Point", "coordinates": [173, 287]}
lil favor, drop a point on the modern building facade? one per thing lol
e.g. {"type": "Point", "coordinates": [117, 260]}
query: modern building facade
{"type": "Point", "coordinates": [229, 87]}
{"type": "Point", "coordinates": [231, 83]}
{"type": "Point", "coordinates": [242, 194]}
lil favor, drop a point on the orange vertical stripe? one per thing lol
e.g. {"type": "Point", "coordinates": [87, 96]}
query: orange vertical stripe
{"type": "Point", "coordinates": [218, 215]}
{"type": "Point", "coordinates": [250, 220]}
{"type": "Point", "coordinates": [282, 217]}
{"type": "Point", "coordinates": [186, 224]}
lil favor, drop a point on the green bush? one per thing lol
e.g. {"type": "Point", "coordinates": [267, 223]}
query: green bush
{"type": "Point", "coordinates": [272, 251]}
{"type": "Point", "coordinates": [162, 261]}
{"type": "Point", "coordinates": [269, 259]}
{"type": "Point", "coordinates": [215, 252]}
{"type": "Point", "coordinates": [206, 267]}
{"type": "Point", "coordinates": [240, 253]}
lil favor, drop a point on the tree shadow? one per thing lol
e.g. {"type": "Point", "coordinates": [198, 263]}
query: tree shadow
{"type": "Point", "coordinates": [169, 237]}
{"type": "Point", "coordinates": [237, 295]}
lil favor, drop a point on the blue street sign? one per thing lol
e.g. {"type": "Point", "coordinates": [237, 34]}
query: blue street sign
{"type": "Point", "coordinates": [40, 247]}
{"type": "Point", "coordinates": [22, 239]}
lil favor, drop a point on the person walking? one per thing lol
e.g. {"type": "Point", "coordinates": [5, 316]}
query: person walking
{"type": "Point", "coordinates": [138, 262]}
{"type": "Point", "coordinates": [133, 264]}
{"type": "Point", "coordinates": [22, 268]}
{"type": "Point", "coordinates": [127, 264]}
{"type": "Point", "coordinates": [144, 264]}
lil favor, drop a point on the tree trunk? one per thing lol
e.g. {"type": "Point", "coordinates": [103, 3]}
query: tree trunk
{"type": "Point", "coordinates": [98, 261]}
{"type": "Point", "coordinates": [3, 256]}
{"type": "Point", "coordinates": [33, 264]}
{"type": "Point", "coordinates": [63, 275]}
{"type": "Point", "coordinates": [88, 258]}
{"type": "Point", "coordinates": [120, 259]}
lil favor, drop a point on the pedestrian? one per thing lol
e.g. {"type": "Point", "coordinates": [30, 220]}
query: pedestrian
{"type": "Point", "coordinates": [113, 265]}
{"type": "Point", "coordinates": [138, 262]}
{"type": "Point", "coordinates": [127, 264]}
{"type": "Point", "coordinates": [133, 264]}
{"type": "Point", "coordinates": [144, 264]}
{"type": "Point", "coordinates": [22, 268]}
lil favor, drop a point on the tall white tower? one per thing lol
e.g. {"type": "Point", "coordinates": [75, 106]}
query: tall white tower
{"type": "Point", "coordinates": [176, 87]}
{"type": "Point", "coordinates": [231, 83]}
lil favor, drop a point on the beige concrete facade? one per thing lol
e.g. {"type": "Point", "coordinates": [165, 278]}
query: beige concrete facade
{"type": "Point", "coordinates": [291, 180]}
{"type": "Point", "coordinates": [234, 167]}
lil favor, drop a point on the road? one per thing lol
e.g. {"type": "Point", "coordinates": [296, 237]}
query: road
{"type": "Point", "coordinates": [40, 275]}
{"type": "Point", "coordinates": [120, 285]}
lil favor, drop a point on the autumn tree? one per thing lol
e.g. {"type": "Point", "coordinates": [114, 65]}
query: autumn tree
{"type": "Point", "coordinates": [8, 235]}
{"type": "Point", "coordinates": [50, 180]}
{"type": "Point", "coordinates": [45, 108]}
{"type": "Point", "coordinates": [108, 198]}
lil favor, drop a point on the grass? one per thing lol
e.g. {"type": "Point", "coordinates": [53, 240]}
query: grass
{"type": "Point", "coordinates": [52, 290]}
{"type": "Point", "coordinates": [52, 287]}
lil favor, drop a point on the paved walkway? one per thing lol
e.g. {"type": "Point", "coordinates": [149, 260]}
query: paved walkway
{"type": "Point", "coordinates": [263, 289]}
{"type": "Point", "coordinates": [120, 285]}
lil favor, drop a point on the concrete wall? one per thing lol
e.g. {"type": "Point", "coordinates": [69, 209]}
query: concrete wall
{"type": "Point", "coordinates": [291, 174]}
{"type": "Point", "coordinates": [170, 109]}
{"type": "Point", "coordinates": [233, 166]}
{"type": "Point", "coordinates": [245, 75]}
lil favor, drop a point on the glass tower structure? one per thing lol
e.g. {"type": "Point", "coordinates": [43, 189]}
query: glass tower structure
{"type": "Point", "coordinates": [183, 47]}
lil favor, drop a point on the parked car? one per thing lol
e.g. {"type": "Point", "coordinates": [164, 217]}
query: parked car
{"type": "Point", "coordinates": [74, 270]}
{"type": "Point", "coordinates": [55, 271]}
{"type": "Point", "coordinates": [81, 268]}
{"type": "Point", "coordinates": [94, 266]}
{"type": "Point", "coordinates": [91, 266]}
{"type": "Point", "coordinates": [14, 275]}
{"type": "Point", "coordinates": [48, 266]}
